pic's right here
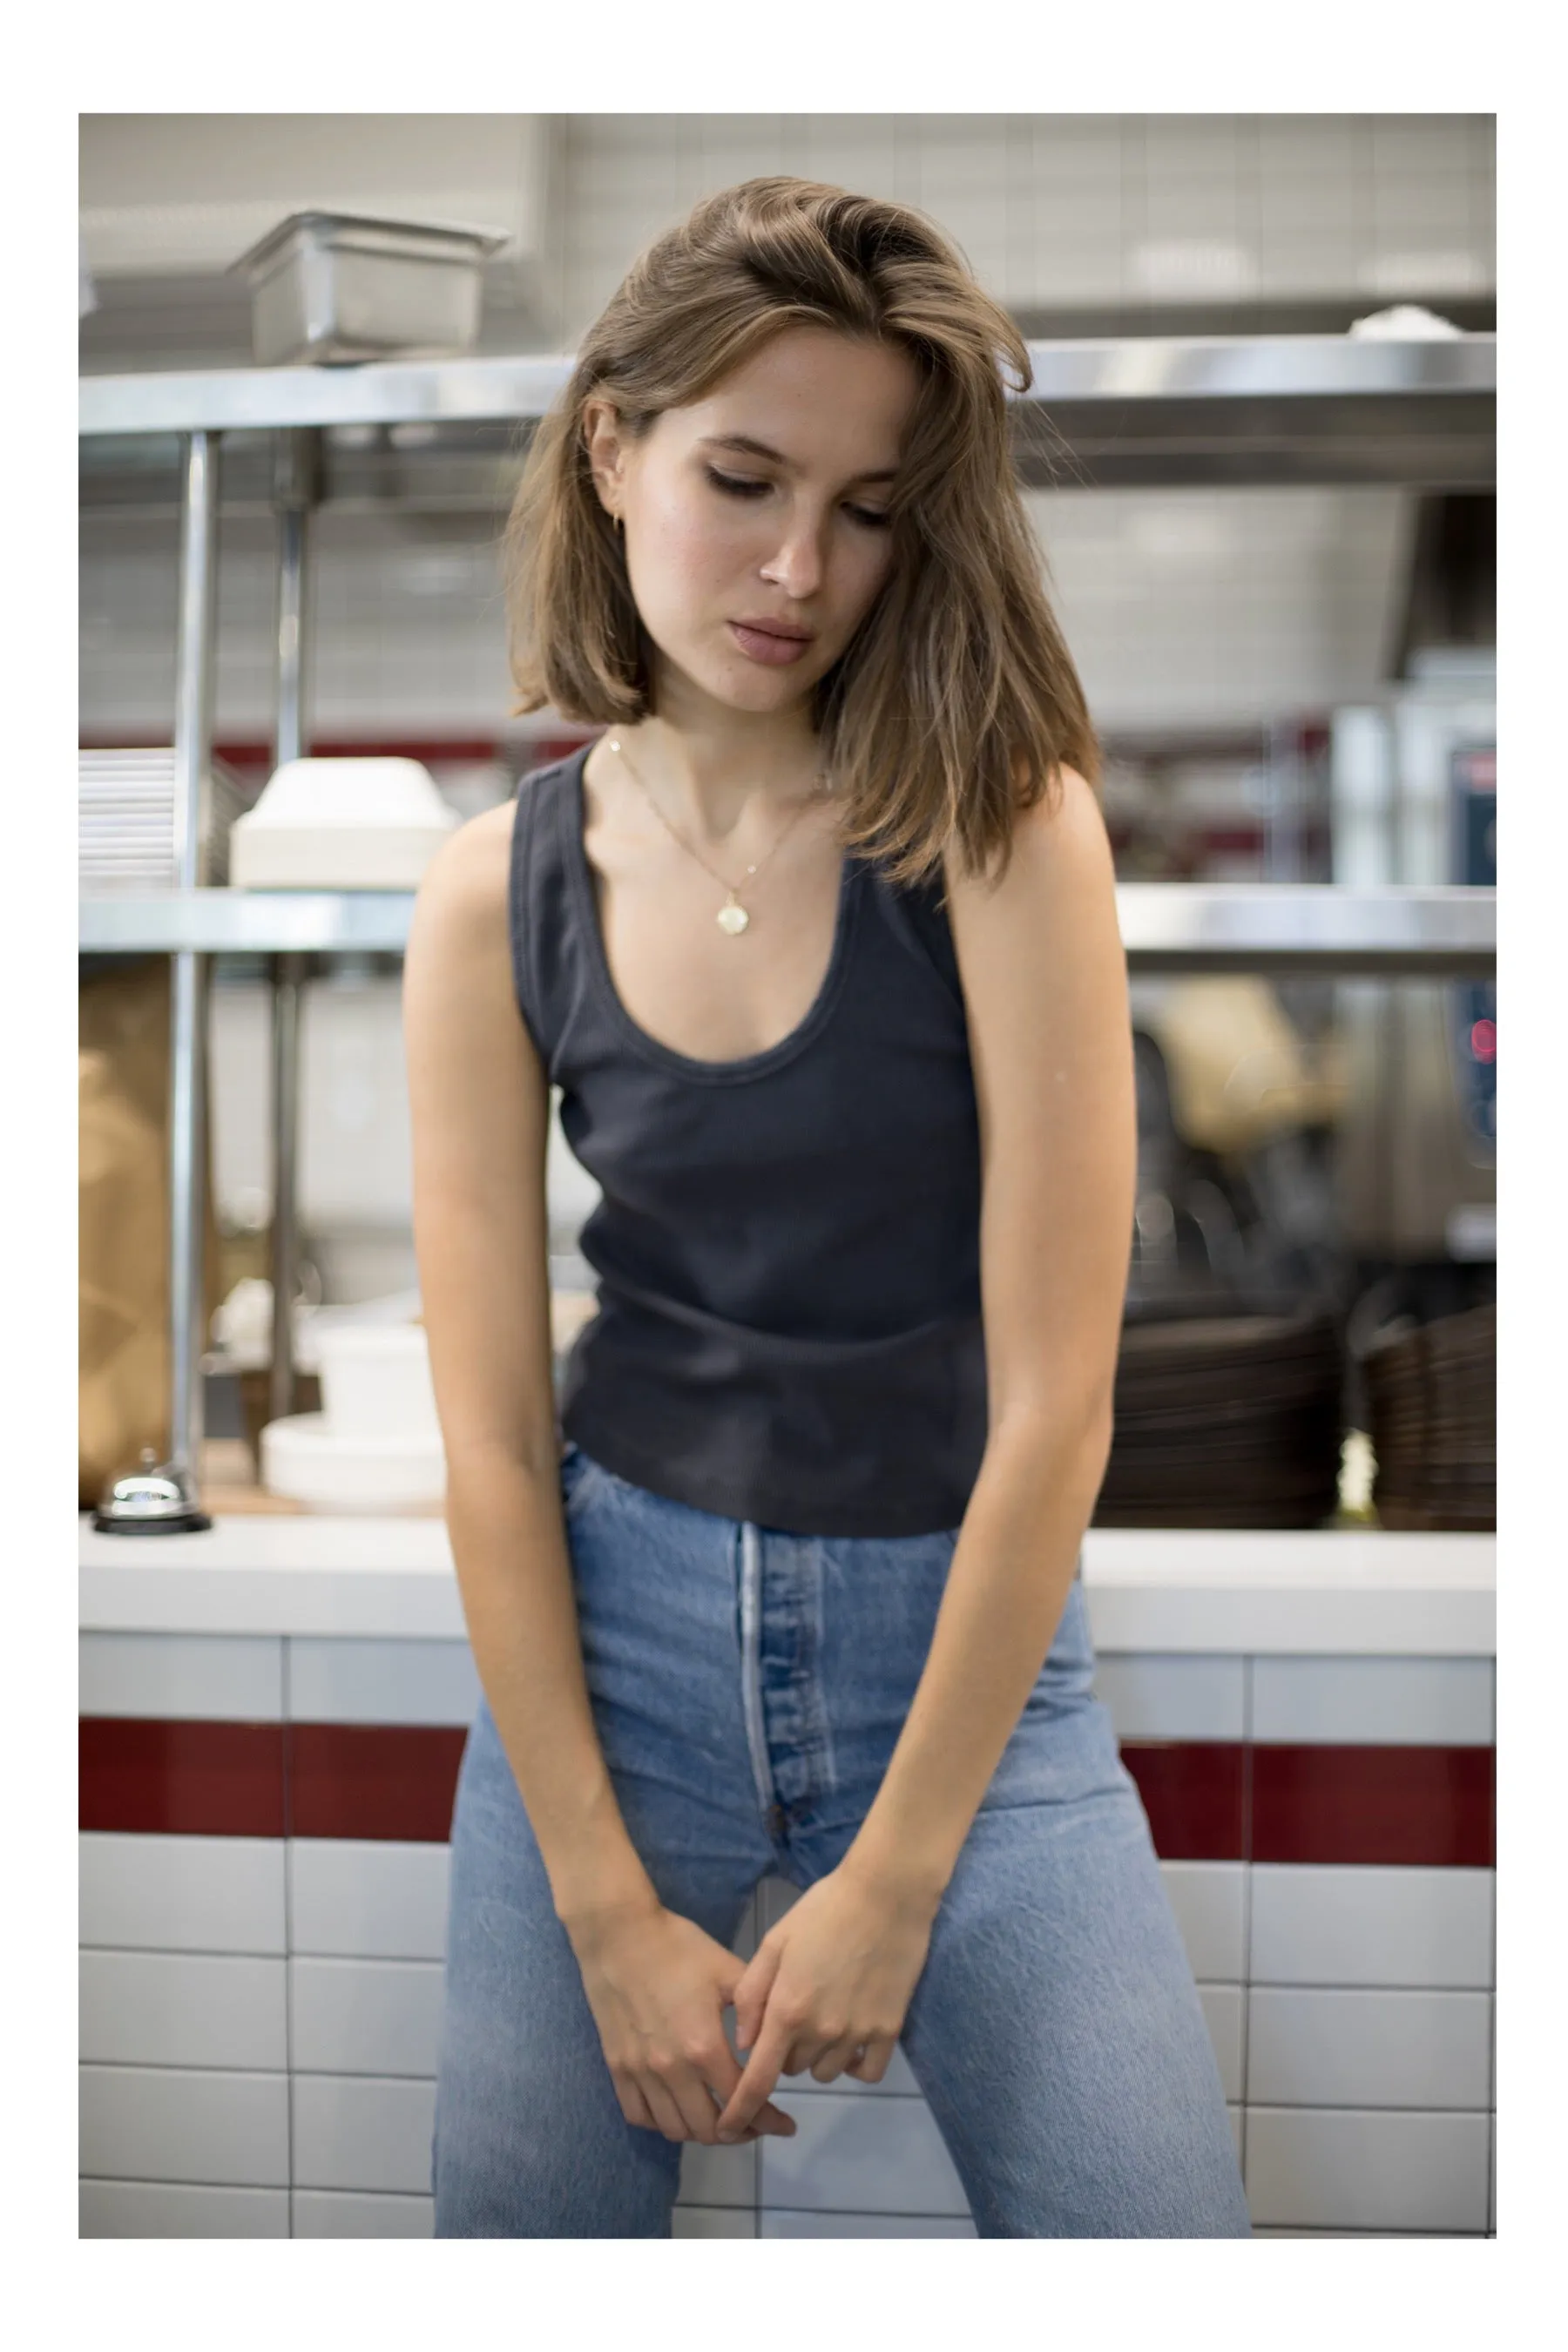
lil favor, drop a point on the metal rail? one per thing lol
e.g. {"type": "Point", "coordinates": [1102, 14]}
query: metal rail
{"type": "Point", "coordinates": [1131, 372]}
{"type": "Point", "coordinates": [1165, 926]}
{"type": "Point", "coordinates": [187, 1043]}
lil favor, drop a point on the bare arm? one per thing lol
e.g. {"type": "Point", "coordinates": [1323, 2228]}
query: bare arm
{"type": "Point", "coordinates": [1045, 982]}
{"type": "Point", "coordinates": [479, 1103]}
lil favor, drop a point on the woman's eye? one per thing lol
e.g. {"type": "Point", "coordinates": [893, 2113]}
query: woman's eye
{"type": "Point", "coordinates": [740, 485]}
{"type": "Point", "coordinates": [737, 485]}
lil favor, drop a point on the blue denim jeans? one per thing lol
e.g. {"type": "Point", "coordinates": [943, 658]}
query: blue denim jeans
{"type": "Point", "coordinates": [748, 1686]}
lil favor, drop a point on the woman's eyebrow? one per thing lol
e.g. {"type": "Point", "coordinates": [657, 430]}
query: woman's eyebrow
{"type": "Point", "coordinates": [746, 446]}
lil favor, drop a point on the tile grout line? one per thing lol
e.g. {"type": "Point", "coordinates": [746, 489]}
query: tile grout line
{"type": "Point", "coordinates": [288, 1926]}
{"type": "Point", "coordinates": [1247, 1724]}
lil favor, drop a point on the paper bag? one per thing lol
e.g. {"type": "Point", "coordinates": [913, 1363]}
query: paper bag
{"type": "Point", "coordinates": [123, 1209]}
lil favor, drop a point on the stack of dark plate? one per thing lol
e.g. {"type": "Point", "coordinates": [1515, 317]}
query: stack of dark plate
{"type": "Point", "coordinates": [1226, 1421]}
{"type": "Point", "coordinates": [1432, 1409]}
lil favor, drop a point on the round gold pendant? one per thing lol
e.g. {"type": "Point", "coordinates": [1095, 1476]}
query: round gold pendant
{"type": "Point", "coordinates": [733, 919]}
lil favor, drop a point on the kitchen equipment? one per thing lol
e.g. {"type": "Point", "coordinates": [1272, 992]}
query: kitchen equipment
{"type": "Point", "coordinates": [340, 825]}
{"type": "Point", "coordinates": [375, 1380]}
{"type": "Point", "coordinates": [1432, 1406]}
{"type": "Point", "coordinates": [1226, 1420]}
{"type": "Point", "coordinates": [125, 821]}
{"type": "Point", "coordinates": [332, 287]}
{"type": "Point", "coordinates": [1415, 800]}
{"type": "Point", "coordinates": [303, 1457]}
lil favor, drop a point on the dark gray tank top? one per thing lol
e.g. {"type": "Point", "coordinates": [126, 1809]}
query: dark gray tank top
{"type": "Point", "coordinates": [787, 1247]}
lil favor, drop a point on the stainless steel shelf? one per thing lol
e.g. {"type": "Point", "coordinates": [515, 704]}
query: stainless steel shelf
{"type": "Point", "coordinates": [1134, 371]}
{"type": "Point", "coordinates": [246, 922]}
{"type": "Point", "coordinates": [1167, 927]}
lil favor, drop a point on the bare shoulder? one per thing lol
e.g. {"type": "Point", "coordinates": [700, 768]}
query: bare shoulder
{"type": "Point", "coordinates": [1060, 873]}
{"type": "Point", "coordinates": [468, 872]}
{"type": "Point", "coordinates": [460, 907]}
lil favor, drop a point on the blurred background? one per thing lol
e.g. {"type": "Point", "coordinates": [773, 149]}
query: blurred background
{"type": "Point", "coordinates": [1291, 664]}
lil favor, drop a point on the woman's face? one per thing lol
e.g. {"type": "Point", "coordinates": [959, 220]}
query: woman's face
{"type": "Point", "coordinates": [765, 502]}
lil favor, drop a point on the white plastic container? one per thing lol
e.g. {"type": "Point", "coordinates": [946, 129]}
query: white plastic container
{"type": "Point", "coordinates": [303, 1459]}
{"type": "Point", "coordinates": [375, 1381]}
{"type": "Point", "coordinates": [340, 825]}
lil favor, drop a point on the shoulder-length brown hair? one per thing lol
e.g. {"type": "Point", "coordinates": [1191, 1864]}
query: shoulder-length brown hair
{"type": "Point", "coordinates": [956, 702]}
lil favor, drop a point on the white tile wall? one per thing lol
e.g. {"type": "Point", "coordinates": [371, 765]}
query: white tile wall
{"type": "Point", "coordinates": [354, 2133]}
{"type": "Point", "coordinates": [1050, 208]}
{"type": "Point", "coordinates": [368, 1898]}
{"type": "Point", "coordinates": [206, 1677]}
{"type": "Point", "coordinates": [140, 2122]}
{"type": "Point", "coordinates": [366, 2017]}
{"type": "Point", "coordinates": [718, 2175]}
{"type": "Point", "coordinates": [339, 2214]}
{"type": "Point", "coordinates": [1365, 1925]}
{"type": "Point", "coordinates": [1364, 2040]}
{"type": "Point", "coordinates": [713, 2221]}
{"type": "Point", "coordinates": [382, 1682]}
{"type": "Point", "coordinates": [1224, 2006]}
{"type": "Point", "coordinates": [1153, 1697]}
{"type": "Point", "coordinates": [145, 2209]}
{"type": "Point", "coordinates": [779, 2221]}
{"type": "Point", "coordinates": [1338, 2170]}
{"type": "Point", "coordinates": [1209, 1899]}
{"type": "Point", "coordinates": [182, 2009]}
{"type": "Point", "coordinates": [1336, 2049]}
{"type": "Point", "coordinates": [1385, 1702]}
{"type": "Point", "coordinates": [180, 1894]}
{"type": "Point", "coordinates": [851, 2154]}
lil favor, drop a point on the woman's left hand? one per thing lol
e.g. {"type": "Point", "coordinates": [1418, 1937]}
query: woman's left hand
{"type": "Point", "coordinates": [834, 1977]}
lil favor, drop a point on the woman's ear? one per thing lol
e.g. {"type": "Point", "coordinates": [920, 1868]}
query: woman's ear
{"type": "Point", "coordinates": [602, 440]}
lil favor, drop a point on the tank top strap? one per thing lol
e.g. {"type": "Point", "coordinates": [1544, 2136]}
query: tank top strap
{"type": "Point", "coordinates": [916, 913]}
{"type": "Point", "coordinates": [545, 955]}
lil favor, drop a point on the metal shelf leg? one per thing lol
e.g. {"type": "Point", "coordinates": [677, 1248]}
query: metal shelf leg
{"type": "Point", "coordinates": [295, 488]}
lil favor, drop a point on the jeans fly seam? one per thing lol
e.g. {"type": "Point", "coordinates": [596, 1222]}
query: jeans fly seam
{"type": "Point", "coordinates": [750, 1661]}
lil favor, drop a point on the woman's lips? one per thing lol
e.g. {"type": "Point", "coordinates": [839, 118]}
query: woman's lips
{"type": "Point", "coordinates": [763, 646]}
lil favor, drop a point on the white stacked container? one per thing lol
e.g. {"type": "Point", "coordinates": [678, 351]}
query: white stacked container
{"type": "Point", "coordinates": [375, 1445]}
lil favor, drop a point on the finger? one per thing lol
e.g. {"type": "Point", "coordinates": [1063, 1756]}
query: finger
{"type": "Point", "coordinates": [696, 2102]}
{"type": "Point", "coordinates": [750, 1994]}
{"type": "Point", "coordinates": [833, 2061]}
{"type": "Point", "coordinates": [633, 2104]}
{"type": "Point", "coordinates": [667, 2115]}
{"type": "Point", "coordinates": [756, 2085]}
{"type": "Point", "coordinates": [879, 2049]}
{"type": "Point", "coordinates": [634, 2107]}
{"type": "Point", "coordinates": [723, 2074]}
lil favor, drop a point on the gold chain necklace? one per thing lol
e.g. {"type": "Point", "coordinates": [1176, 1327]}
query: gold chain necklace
{"type": "Point", "coordinates": [731, 918]}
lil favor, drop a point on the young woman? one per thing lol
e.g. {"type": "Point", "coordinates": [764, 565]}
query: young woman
{"type": "Point", "coordinates": [818, 940]}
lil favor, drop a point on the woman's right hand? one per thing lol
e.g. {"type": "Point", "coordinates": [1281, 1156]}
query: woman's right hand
{"type": "Point", "coordinates": [657, 1986]}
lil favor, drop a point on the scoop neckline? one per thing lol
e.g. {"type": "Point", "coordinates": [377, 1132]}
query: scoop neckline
{"type": "Point", "coordinates": [574, 817]}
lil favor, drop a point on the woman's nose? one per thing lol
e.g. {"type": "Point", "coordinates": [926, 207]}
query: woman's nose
{"type": "Point", "coordinates": [796, 562]}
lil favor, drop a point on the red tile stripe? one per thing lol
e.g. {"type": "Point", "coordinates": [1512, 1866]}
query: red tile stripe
{"type": "Point", "coordinates": [1434, 1805]}
{"type": "Point", "coordinates": [1208, 1800]}
{"type": "Point", "coordinates": [1193, 1792]}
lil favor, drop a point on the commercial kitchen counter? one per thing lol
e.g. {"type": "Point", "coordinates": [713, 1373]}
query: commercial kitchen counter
{"type": "Point", "coordinates": [273, 1716]}
{"type": "Point", "coordinates": [1359, 1590]}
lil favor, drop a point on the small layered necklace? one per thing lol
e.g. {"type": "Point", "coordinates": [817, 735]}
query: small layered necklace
{"type": "Point", "coordinates": [731, 917]}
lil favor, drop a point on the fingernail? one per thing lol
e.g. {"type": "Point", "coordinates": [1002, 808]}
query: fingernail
{"type": "Point", "coordinates": [728, 2137]}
